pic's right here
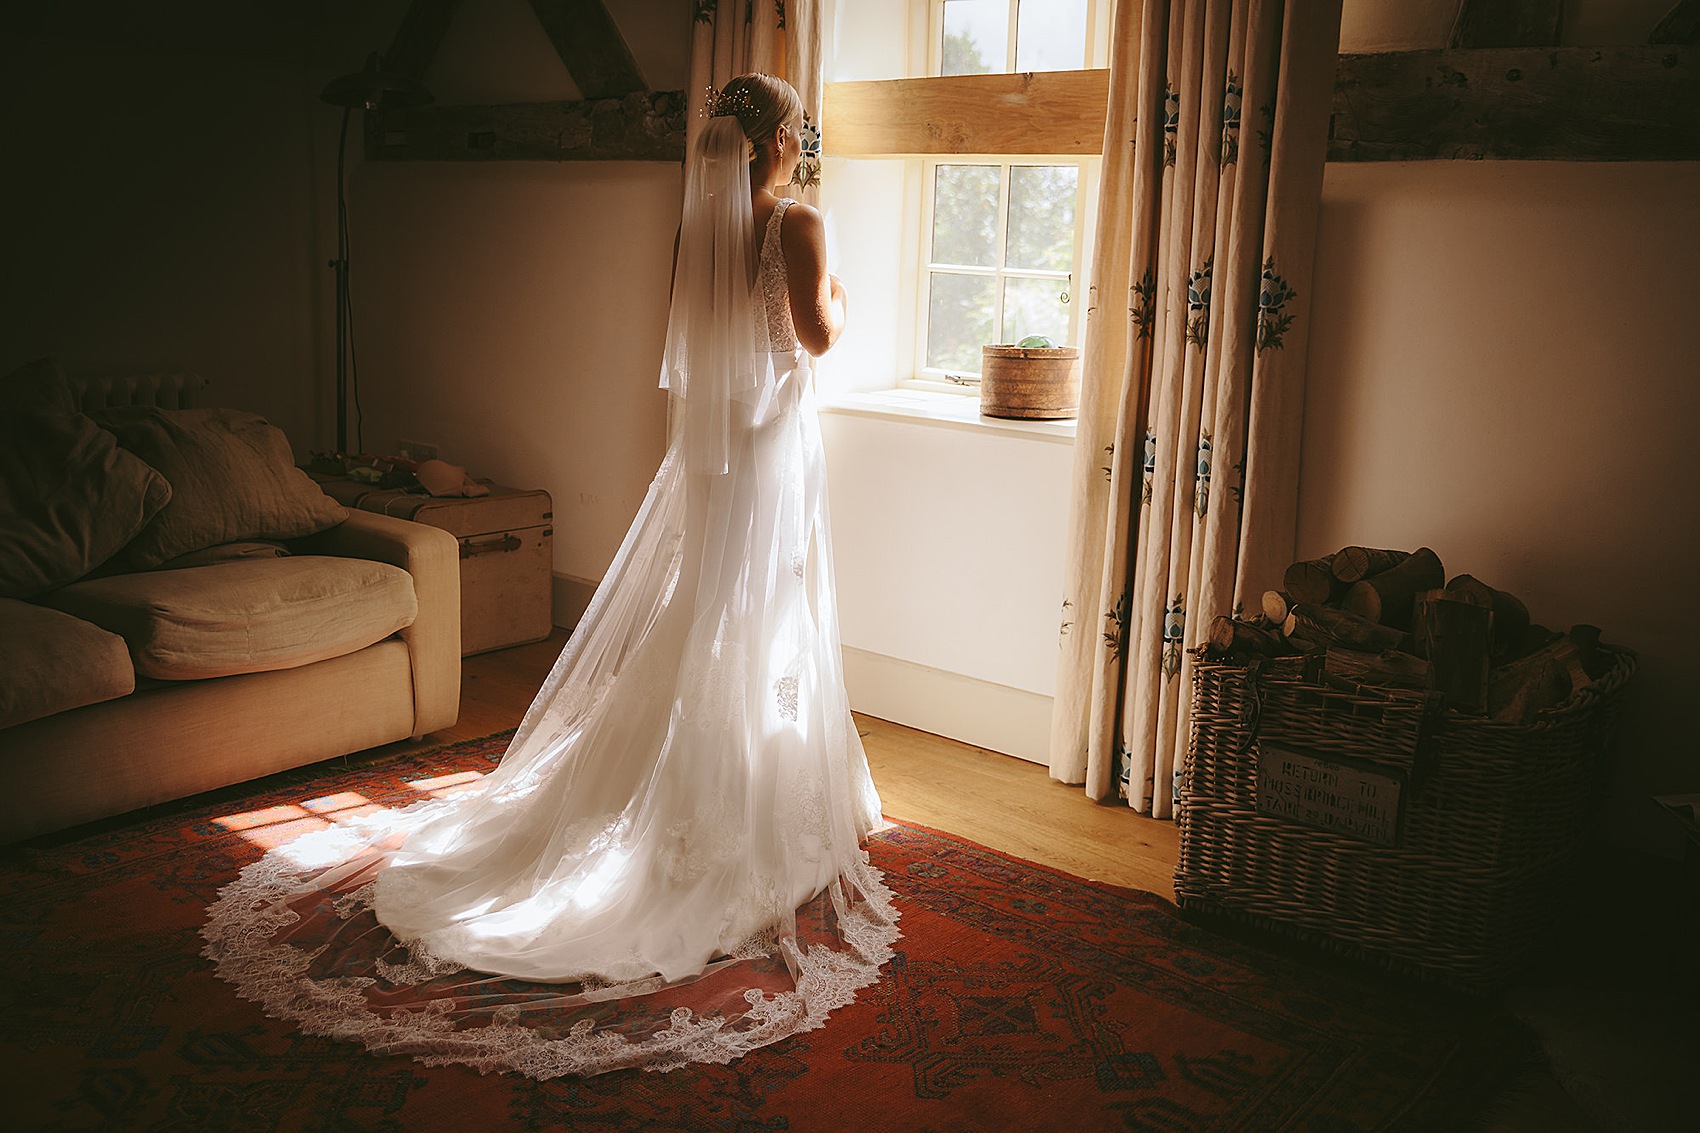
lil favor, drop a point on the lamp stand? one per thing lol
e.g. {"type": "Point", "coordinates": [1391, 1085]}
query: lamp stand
{"type": "Point", "coordinates": [372, 88]}
{"type": "Point", "coordinates": [344, 312]}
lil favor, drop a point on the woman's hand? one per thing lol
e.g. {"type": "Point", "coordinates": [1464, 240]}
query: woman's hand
{"type": "Point", "coordinates": [840, 297]}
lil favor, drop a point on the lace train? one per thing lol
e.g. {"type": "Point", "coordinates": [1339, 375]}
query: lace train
{"type": "Point", "coordinates": [290, 941]}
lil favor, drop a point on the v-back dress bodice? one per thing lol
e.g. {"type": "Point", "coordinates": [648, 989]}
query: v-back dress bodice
{"type": "Point", "coordinates": [774, 287]}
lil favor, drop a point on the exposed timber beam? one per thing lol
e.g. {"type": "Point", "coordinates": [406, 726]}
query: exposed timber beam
{"type": "Point", "coordinates": [1523, 104]}
{"type": "Point", "coordinates": [590, 44]}
{"type": "Point", "coordinates": [1517, 103]}
{"type": "Point", "coordinates": [1508, 23]}
{"type": "Point", "coordinates": [648, 126]}
{"type": "Point", "coordinates": [417, 39]}
{"type": "Point", "coordinates": [1060, 112]}
{"type": "Point", "coordinates": [1680, 25]}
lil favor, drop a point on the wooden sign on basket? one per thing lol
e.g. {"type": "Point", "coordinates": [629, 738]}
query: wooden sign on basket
{"type": "Point", "coordinates": [1328, 794]}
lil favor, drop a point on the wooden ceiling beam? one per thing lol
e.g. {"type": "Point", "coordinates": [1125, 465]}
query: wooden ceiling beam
{"type": "Point", "coordinates": [1508, 23]}
{"type": "Point", "coordinates": [416, 41]}
{"type": "Point", "coordinates": [590, 44]}
{"type": "Point", "coordinates": [1060, 112]}
{"type": "Point", "coordinates": [644, 126]}
{"type": "Point", "coordinates": [1514, 103]}
{"type": "Point", "coordinates": [1680, 25]}
{"type": "Point", "coordinates": [1519, 104]}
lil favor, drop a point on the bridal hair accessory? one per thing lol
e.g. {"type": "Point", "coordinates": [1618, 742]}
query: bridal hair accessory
{"type": "Point", "coordinates": [720, 105]}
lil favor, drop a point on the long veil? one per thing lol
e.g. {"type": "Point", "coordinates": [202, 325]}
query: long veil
{"type": "Point", "coordinates": [666, 866]}
{"type": "Point", "coordinates": [711, 352]}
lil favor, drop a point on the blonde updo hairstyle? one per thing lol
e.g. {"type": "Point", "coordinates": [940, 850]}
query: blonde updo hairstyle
{"type": "Point", "coordinates": [761, 103]}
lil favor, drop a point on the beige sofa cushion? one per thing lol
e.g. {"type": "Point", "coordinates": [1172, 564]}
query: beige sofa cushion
{"type": "Point", "coordinates": [232, 477]}
{"type": "Point", "coordinates": [51, 662]}
{"type": "Point", "coordinates": [247, 616]}
{"type": "Point", "coordinates": [70, 499]}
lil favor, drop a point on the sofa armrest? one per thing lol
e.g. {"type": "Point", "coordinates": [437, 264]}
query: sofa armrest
{"type": "Point", "coordinates": [432, 556]}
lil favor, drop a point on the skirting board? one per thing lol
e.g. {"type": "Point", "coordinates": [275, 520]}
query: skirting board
{"type": "Point", "coordinates": [569, 596]}
{"type": "Point", "coordinates": [993, 716]}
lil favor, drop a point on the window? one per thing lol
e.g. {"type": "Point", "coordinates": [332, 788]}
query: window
{"type": "Point", "coordinates": [979, 192]}
{"type": "Point", "coordinates": [981, 37]}
{"type": "Point", "coordinates": [1003, 240]}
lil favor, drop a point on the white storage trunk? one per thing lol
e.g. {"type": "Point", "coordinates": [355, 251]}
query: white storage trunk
{"type": "Point", "coordinates": [506, 555]}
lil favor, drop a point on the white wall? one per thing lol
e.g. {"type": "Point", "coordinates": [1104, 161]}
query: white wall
{"type": "Point", "coordinates": [161, 215]}
{"type": "Point", "coordinates": [867, 242]}
{"type": "Point", "coordinates": [948, 535]}
{"type": "Point", "coordinates": [1502, 367]}
{"type": "Point", "coordinates": [948, 542]}
{"type": "Point", "coordinates": [512, 313]}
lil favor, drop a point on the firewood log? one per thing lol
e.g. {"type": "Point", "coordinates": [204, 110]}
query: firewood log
{"type": "Point", "coordinates": [1457, 639]}
{"type": "Point", "coordinates": [1510, 615]}
{"type": "Point", "coordinates": [1391, 668]}
{"type": "Point", "coordinates": [1236, 637]}
{"type": "Point", "coordinates": [1311, 581]}
{"type": "Point", "coordinates": [1389, 597]}
{"type": "Point", "coordinates": [1536, 637]}
{"type": "Point", "coordinates": [1325, 626]}
{"type": "Point", "coordinates": [1586, 638]}
{"type": "Point", "coordinates": [1276, 607]}
{"type": "Point", "coordinates": [1520, 690]}
{"type": "Point", "coordinates": [1354, 564]}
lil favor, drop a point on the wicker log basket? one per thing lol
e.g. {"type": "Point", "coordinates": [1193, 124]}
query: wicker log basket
{"type": "Point", "coordinates": [1471, 870]}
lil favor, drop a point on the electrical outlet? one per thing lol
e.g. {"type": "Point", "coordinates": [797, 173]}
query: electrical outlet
{"type": "Point", "coordinates": [417, 451]}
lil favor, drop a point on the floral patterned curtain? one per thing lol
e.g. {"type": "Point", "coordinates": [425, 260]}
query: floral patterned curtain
{"type": "Point", "coordinates": [1186, 459]}
{"type": "Point", "coordinates": [779, 37]}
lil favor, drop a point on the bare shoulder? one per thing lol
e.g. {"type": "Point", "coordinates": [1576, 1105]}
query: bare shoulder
{"type": "Point", "coordinates": [802, 221]}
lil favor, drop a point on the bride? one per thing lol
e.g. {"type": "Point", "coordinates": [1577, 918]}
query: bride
{"type": "Point", "coordinates": [667, 865]}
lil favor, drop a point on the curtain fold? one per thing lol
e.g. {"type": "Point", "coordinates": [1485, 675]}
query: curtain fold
{"type": "Point", "coordinates": [778, 37]}
{"type": "Point", "coordinates": [1185, 476]}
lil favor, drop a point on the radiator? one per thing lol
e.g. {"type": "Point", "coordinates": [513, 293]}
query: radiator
{"type": "Point", "coordinates": [174, 389]}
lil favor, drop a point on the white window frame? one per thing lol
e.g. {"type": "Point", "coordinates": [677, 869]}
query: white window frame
{"type": "Point", "coordinates": [921, 45]}
{"type": "Point", "coordinates": [930, 59]}
{"type": "Point", "coordinates": [927, 58]}
{"type": "Point", "coordinates": [1086, 195]}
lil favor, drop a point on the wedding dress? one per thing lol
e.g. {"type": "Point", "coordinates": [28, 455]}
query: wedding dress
{"type": "Point", "coordinates": [666, 867]}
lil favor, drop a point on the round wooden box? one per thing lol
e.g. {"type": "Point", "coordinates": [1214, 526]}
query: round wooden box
{"type": "Point", "coordinates": [1030, 382]}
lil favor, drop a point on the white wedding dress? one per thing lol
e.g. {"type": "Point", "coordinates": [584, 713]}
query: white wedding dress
{"type": "Point", "coordinates": [667, 865]}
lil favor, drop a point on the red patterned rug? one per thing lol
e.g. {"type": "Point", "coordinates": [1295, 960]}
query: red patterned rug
{"type": "Point", "coordinates": [1020, 998]}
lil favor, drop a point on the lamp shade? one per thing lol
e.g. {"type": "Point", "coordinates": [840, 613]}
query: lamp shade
{"type": "Point", "coordinates": [373, 88]}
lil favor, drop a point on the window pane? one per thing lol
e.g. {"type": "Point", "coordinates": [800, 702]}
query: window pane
{"type": "Point", "coordinates": [1041, 217]}
{"type": "Point", "coordinates": [965, 215]}
{"type": "Point", "coordinates": [1034, 306]}
{"type": "Point", "coordinates": [976, 37]}
{"type": "Point", "coordinates": [1050, 35]}
{"type": "Point", "coordinates": [959, 320]}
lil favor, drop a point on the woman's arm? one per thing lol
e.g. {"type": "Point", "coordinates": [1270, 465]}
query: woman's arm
{"type": "Point", "coordinates": [818, 301]}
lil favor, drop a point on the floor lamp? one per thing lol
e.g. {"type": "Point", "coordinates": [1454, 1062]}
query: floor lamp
{"type": "Point", "coordinates": [369, 89]}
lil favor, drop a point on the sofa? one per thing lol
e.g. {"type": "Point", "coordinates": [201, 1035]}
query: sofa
{"type": "Point", "coordinates": [181, 608]}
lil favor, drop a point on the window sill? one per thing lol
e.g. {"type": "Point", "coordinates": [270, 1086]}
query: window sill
{"type": "Point", "coordinates": [945, 410]}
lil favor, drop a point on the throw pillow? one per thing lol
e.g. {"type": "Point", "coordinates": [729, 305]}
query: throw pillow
{"type": "Point", "coordinates": [70, 499]}
{"type": "Point", "coordinates": [39, 384]}
{"type": "Point", "coordinates": [233, 477]}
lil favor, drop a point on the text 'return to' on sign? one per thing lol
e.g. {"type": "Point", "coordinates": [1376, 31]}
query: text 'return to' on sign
{"type": "Point", "coordinates": [1328, 795]}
